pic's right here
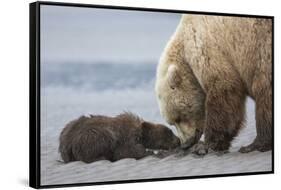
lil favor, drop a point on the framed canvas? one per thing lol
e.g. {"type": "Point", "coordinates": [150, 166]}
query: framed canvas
{"type": "Point", "coordinates": [126, 94]}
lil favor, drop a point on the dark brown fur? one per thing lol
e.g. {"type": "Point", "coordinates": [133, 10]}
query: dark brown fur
{"type": "Point", "coordinates": [95, 138]}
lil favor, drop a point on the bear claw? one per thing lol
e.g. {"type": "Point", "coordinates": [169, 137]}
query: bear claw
{"type": "Point", "coordinates": [200, 149]}
{"type": "Point", "coordinates": [255, 146]}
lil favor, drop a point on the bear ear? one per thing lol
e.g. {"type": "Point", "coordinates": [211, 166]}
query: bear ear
{"type": "Point", "coordinates": [173, 76]}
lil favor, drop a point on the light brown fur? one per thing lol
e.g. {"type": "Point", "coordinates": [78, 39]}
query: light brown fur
{"type": "Point", "coordinates": [206, 71]}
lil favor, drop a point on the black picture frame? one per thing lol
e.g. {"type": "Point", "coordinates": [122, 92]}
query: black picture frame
{"type": "Point", "coordinates": [34, 98]}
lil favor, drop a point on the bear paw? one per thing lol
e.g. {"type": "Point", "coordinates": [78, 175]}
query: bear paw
{"type": "Point", "coordinates": [200, 149]}
{"type": "Point", "coordinates": [256, 145]}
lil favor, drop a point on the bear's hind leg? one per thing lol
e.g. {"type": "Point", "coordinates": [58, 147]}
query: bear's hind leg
{"type": "Point", "coordinates": [225, 109]}
{"type": "Point", "coordinates": [263, 140]}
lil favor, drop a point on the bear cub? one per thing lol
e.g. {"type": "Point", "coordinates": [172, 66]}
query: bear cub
{"type": "Point", "coordinates": [96, 137]}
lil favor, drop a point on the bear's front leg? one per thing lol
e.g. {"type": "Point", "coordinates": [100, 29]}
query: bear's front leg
{"type": "Point", "coordinates": [225, 108]}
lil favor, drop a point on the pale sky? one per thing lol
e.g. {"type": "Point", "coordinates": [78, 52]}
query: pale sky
{"type": "Point", "coordinates": [75, 34]}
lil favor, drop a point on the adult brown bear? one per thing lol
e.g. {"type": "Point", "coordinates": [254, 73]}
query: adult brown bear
{"type": "Point", "coordinates": [208, 68]}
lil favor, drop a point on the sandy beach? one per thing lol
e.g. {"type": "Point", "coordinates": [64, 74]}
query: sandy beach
{"type": "Point", "coordinates": [61, 105]}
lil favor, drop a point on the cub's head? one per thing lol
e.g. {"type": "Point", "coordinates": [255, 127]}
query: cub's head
{"type": "Point", "coordinates": [157, 136]}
